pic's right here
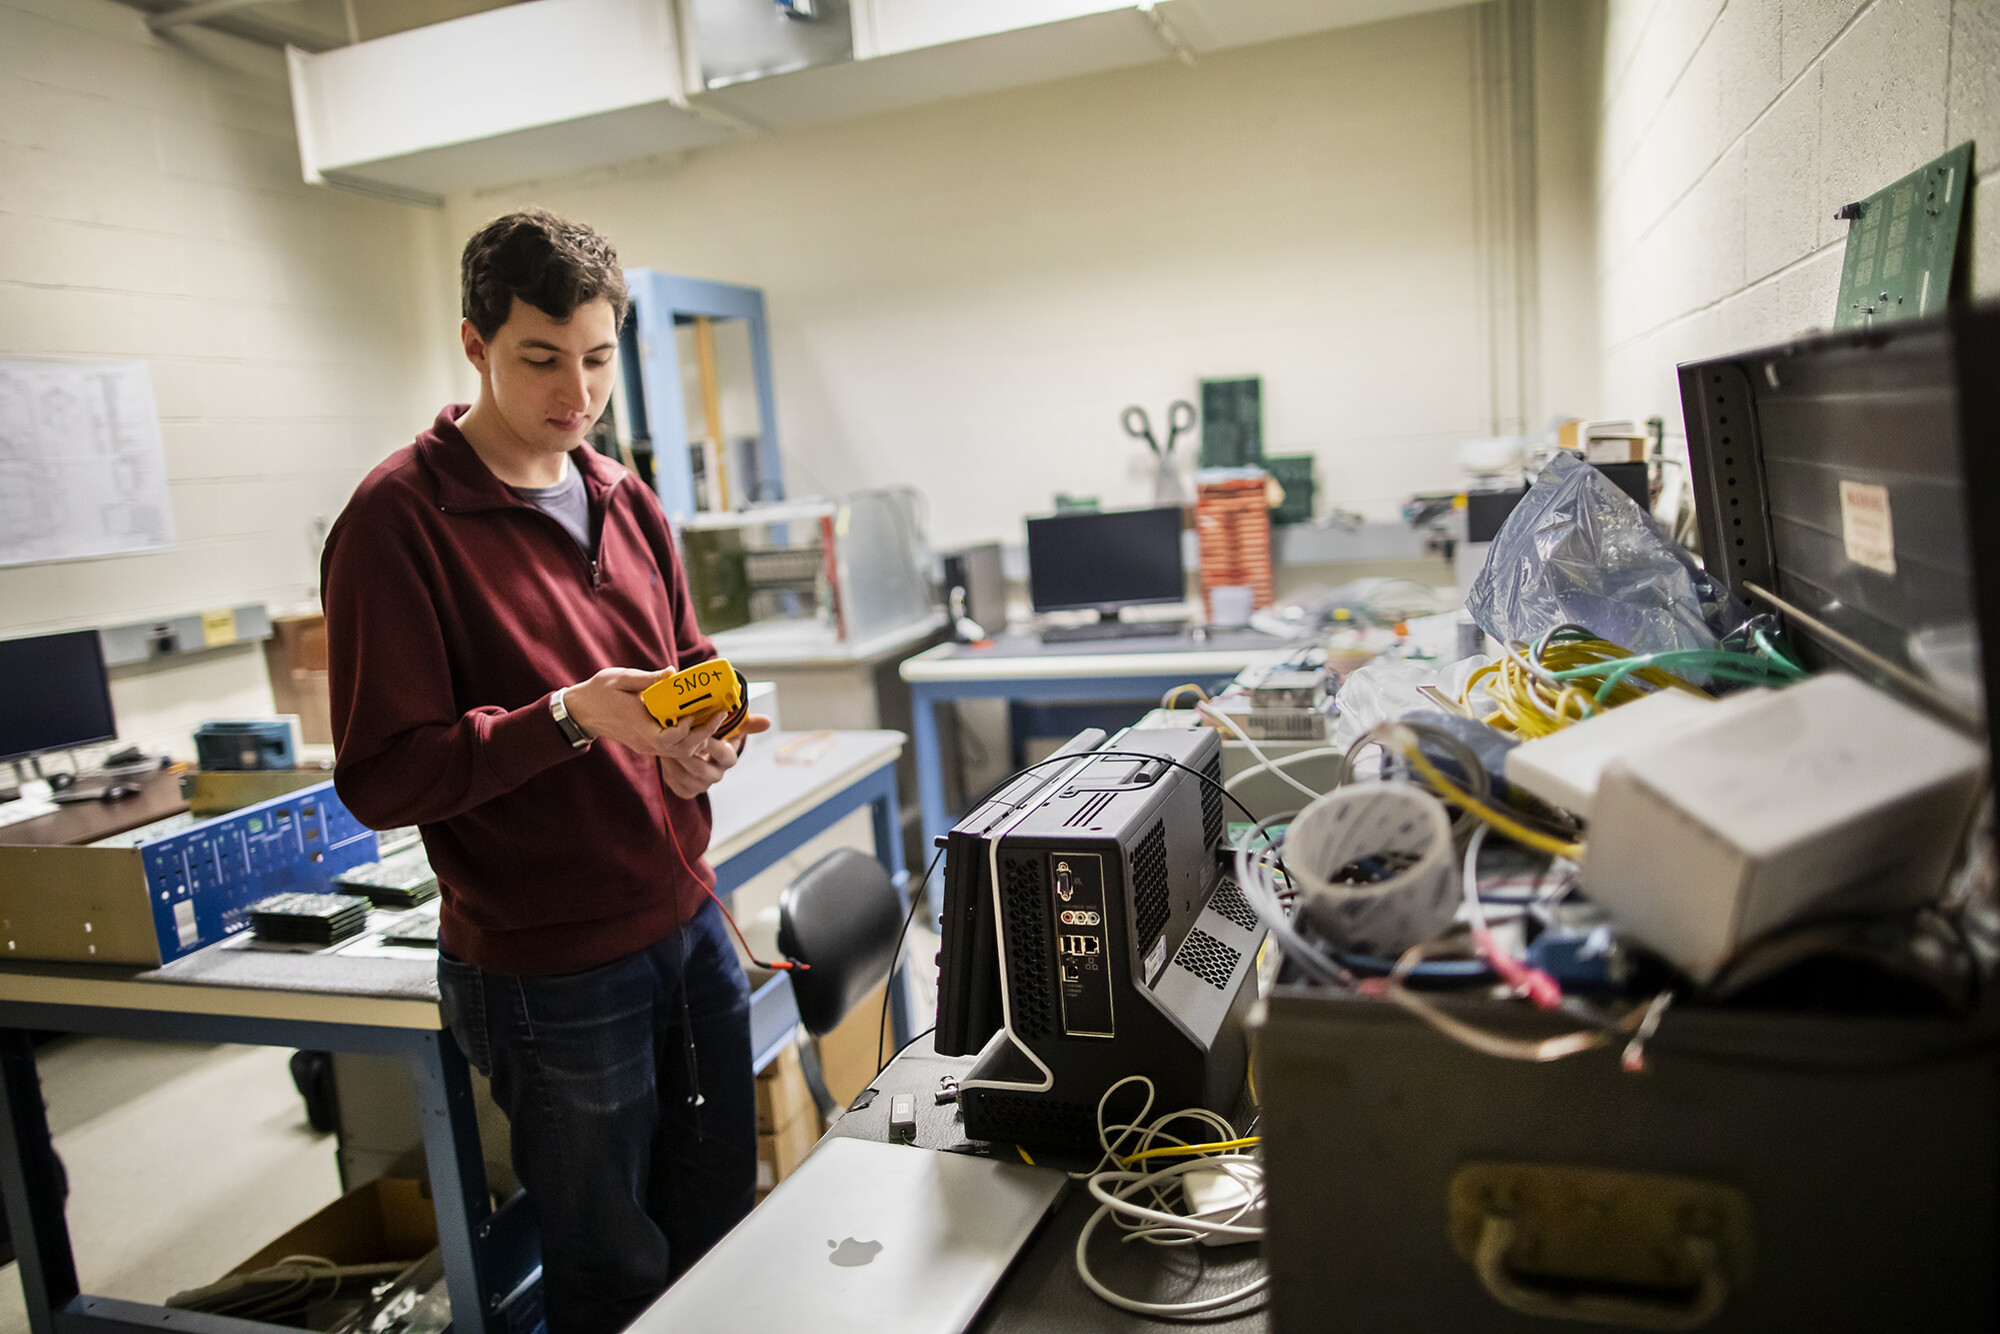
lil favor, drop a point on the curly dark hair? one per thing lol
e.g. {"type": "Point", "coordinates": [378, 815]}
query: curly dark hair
{"type": "Point", "coordinates": [549, 262]}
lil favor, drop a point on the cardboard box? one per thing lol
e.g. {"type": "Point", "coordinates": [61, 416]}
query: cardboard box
{"type": "Point", "coordinates": [779, 1154]}
{"type": "Point", "coordinates": [387, 1219]}
{"type": "Point", "coordinates": [295, 660]}
{"type": "Point", "coordinates": [1616, 449]}
{"type": "Point", "coordinates": [1825, 797]}
{"type": "Point", "coordinates": [782, 1093]}
{"type": "Point", "coordinates": [847, 1054]}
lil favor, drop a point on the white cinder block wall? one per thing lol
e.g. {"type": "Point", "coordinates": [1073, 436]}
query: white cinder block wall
{"type": "Point", "coordinates": [964, 295]}
{"type": "Point", "coordinates": [151, 209]}
{"type": "Point", "coordinates": [1731, 132]}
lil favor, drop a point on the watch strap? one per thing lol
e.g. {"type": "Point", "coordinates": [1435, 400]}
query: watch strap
{"type": "Point", "coordinates": [577, 737]}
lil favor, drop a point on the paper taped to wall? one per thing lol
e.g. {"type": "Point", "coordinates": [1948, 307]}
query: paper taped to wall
{"type": "Point", "coordinates": [82, 469]}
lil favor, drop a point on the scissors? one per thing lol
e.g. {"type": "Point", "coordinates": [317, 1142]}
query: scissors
{"type": "Point", "coordinates": [1180, 417]}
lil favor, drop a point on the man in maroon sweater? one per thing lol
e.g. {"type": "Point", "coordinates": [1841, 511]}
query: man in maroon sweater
{"type": "Point", "coordinates": [497, 594]}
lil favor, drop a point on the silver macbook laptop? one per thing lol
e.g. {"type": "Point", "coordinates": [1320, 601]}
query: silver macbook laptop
{"type": "Point", "coordinates": [865, 1237]}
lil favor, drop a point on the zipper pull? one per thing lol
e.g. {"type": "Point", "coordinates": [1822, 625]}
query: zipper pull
{"type": "Point", "coordinates": [596, 575]}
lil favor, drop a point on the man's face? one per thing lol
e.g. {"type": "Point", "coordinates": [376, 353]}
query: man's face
{"type": "Point", "coordinates": [549, 378]}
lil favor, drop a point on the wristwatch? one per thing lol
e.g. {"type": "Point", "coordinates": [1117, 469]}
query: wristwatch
{"type": "Point", "coordinates": [578, 738]}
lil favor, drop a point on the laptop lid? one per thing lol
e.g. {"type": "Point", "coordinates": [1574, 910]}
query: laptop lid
{"type": "Point", "coordinates": [866, 1237]}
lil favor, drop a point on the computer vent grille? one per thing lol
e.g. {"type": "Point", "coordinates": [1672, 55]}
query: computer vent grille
{"type": "Point", "coordinates": [1211, 805]}
{"type": "Point", "coordinates": [1208, 959]}
{"type": "Point", "coordinates": [1149, 888]}
{"type": "Point", "coordinates": [1029, 1002]}
{"type": "Point", "coordinates": [1230, 905]}
{"type": "Point", "coordinates": [1030, 1118]}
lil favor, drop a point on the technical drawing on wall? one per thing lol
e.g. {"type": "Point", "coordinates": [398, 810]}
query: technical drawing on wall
{"type": "Point", "coordinates": [82, 470]}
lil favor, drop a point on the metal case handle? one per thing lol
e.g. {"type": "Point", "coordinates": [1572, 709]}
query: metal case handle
{"type": "Point", "coordinates": [1710, 1292]}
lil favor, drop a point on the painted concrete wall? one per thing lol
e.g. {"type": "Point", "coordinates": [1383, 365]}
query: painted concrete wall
{"type": "Point", "coordinates": [1731, 131]}
{"type": "Point", "coordinates": [151, 209]}
{"type": "Point", "coordinates": [965, 295]}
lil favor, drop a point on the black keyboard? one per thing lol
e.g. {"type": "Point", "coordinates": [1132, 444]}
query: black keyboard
{"type": "Point", "coordinates": [1083, 634]}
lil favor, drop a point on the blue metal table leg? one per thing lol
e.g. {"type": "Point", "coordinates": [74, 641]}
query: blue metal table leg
{"type": "Point", "coordinates": [32, 1183]}
{"type": "Point", "coordinates": [930, 765]}
{"type": "Point", "coordinates": [487, 1255]}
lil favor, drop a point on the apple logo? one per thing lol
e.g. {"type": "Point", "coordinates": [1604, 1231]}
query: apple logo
{"type": "Point", "coordinates": [851, 1253]}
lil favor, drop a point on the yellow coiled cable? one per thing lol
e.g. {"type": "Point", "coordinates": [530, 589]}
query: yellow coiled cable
{"type": "Point", "coordinates": [1529, 704]}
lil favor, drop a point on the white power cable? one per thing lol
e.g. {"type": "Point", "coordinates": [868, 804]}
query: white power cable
{"type": "Point", "coordinates": [1475, 911]}
{"type": "Point", "coordinates": [1027, 808]}
{"type": "Point", "coordinates": [1220, 719]}
{"type": "Point", "coordinates": [1257, 871]}
{"type": "Point", "coordinates": [1286, 762]}
{"type": "Point", "coordinates": [1116, 1188]}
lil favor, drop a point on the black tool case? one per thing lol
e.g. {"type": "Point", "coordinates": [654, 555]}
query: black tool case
{"type": "Point", "coordinates": [1764, 1171]}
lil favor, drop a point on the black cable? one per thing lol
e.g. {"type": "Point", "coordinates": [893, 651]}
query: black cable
{"type": "Point", "coordinates": [905, 1047]}
{"type": "Point", "coordinates": [921, 892]}
{"type": "Point", "coordinates": [1139, 755]}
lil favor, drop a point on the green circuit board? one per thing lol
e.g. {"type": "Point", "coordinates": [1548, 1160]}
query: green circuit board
{"type": "Point", "coordinates": [1902, 244]}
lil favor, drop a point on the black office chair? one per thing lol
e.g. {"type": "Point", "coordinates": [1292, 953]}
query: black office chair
{"type": "Point", "coordinates": [841, 916]}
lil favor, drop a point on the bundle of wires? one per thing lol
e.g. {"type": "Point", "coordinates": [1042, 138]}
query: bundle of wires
{"type": "Point", "coordinates": [1569, 674]}
{"type": "Point", "coordinates": [1265, 882]}
{"type": "Point", "coordinates": [1143, 1182]}
{"type": "Point", "coordinates": [1428, 751]}
{"type": "Point", "coordinates": [282, 1292]}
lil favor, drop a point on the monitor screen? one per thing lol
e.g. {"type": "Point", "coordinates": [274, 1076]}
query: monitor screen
{"type": "Point", "coordinates": [53, 694]}
{"type": "Point", "coordinates": [1105, 559]}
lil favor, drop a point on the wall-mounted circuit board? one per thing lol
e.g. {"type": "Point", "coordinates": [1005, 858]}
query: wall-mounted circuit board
{"type": "Point", "coordinates": [1902, 244]}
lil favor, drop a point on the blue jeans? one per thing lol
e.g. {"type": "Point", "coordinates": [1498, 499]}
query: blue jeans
{"type": "Point", "coordinates": [629, 1094]}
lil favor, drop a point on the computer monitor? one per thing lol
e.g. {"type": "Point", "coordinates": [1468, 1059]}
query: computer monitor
{"type": "Point", "coordinates": [53, 694]}
{"type": "Point", "coordinates": [1102, 560]}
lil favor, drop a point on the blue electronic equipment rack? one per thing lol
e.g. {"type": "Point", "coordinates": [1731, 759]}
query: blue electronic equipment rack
{"type": "Point", "coordinates": [201, 880]}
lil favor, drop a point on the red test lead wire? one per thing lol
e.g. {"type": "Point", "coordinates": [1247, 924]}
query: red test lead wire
{"type": "Point", "coordinates": [769, 965]}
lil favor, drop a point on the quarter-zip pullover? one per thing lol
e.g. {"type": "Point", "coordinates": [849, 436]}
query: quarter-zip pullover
{"type": "Point", "coordinates": [454, 609]}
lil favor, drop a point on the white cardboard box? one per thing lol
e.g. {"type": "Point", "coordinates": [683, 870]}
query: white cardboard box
{"type": "Point", "coordinates": [1564, 768]}
{"type": "Point", "coordinates": [1824, 797]}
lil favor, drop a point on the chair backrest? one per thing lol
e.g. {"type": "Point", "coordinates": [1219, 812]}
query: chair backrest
{"type": "Point", "coordinates": [840, 915]}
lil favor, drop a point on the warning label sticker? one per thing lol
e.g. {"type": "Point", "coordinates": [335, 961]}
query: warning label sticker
{"type": "Point", "coordinates": [1866, 526]}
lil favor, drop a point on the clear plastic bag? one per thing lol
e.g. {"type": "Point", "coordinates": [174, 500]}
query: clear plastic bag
{"type": "Point", "coordinates": [1388, 688]}
{"type": "Point", "coordinates": [1576, 550]}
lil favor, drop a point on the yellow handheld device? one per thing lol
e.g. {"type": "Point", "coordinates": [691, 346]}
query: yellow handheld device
{"type": "Point", "coordinates": [698, 694]}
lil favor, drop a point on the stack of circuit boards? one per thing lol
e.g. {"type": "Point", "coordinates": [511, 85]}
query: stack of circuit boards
{"type": "Point", "coordinates": [308, 919]}
{"type": "Point", "coordinates": [401, 880]}
{"type": "Point", "coordinates": [413, 930]}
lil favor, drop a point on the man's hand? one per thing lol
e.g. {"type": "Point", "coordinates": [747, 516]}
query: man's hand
{"type": "Point", "coordinates": [701, 768]}
{"type": "Point", "coordinates": [607, 706]}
